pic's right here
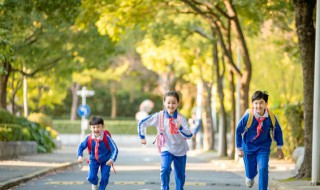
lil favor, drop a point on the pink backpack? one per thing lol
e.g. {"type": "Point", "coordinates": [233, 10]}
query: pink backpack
{"type": "Point", "coordinates": [160, 139]}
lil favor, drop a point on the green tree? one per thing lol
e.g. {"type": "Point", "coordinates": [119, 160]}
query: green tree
{"type": "Point", "coordinates": [34, 37]}
{"type": "Point", "coordinates": [304, 12]}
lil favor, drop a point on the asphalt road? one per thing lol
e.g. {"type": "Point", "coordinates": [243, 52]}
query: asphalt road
{"type": "Point", "coordinates": [138, 169]}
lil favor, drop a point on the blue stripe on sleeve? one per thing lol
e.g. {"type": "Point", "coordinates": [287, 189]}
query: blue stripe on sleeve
{"type": "Point", "coordinates": [115, 150]}
{"type": "Point", "coordinates": [139, 126]}
{"type": "Point", "coordinates": [186, 135]}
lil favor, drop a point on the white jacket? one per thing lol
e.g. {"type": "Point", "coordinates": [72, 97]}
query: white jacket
{"type": "Point", "coordinates": [174, 143]}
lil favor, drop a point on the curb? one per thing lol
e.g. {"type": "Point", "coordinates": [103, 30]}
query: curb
{"type": "Point", "coordinates": [25, 178]}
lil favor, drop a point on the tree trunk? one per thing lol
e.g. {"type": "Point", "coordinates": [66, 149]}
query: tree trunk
{"type": "Point", "coordinates": [25, 97]}
{"type": "Point", "coordinates": [246, 74]}
{"type": "Point", "coordinates": [232, 114]}
{"type": "Point", "coordinates": [37, 102]}
{"type": "Point", "coordinates": [208, 133]}
{"type": "Point", "coordinates": [167, 81]}
{"type": "Point", "coordinates": [222, 146]}
{"type": "Point", "coordinates": [3, 84]}
{"type": "Point", "coordinates": [75, 87]}
{"type": "Point", "coordinates": [306, 36]}
{"type": "Point", "coordinates": [113, 92]}
{"type": "Point", "coordinates": [14, 92]}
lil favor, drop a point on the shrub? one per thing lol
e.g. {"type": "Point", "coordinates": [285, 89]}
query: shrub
{"type": "Point", "coordinates": [10, 132]}
{"type": "Point", "coordinates": [115, 126]}
{"type": "Point", "coordinates": [38, 134]}
{"type": "Point", "coordinates": [42, 119]}
{"type": "Point", "coordinates": [23, 129]}
{"type": "Point", "coordinates": [6, 117]}
{"type": "Point", "coordinates": [291, 121]}
{"type": "Point", "coordinates": [45, 122]}
{"type": "Point", "coordinates": [26, 136]}
{"type": "Point", "coordinates": [53, 133]}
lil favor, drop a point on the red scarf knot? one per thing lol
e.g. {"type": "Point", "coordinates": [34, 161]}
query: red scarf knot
{"type": "Point", "coordinates": [259, 127]}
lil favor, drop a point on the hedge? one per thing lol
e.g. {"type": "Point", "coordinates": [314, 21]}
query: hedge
{"type": "Point", "coordinates": [10, 132]}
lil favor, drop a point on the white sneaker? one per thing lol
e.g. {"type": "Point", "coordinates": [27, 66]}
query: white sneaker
{"type": "Point", "coordinates": [249, 182]}
{"type": "Point", "coordinates": [94, 187]}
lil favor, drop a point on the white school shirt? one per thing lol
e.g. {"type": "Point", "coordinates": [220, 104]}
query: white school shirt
{"type": "Point", "coordinates": [174, 143]}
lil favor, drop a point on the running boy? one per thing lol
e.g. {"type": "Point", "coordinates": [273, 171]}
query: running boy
{"type": "Point", "coordinates": [173, 131]}
{"type": "Point", "coordinates": [254, 136]}
{"type": "Point", "coordinates": [103, 153]}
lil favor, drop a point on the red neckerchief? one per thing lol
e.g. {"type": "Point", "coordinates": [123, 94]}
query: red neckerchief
{"type": "Point", "coordinates": [173, 129]}
{"type": "Point", "coordinates": [259, 127]}
{"type": "Point", "coordinates": [96, 149]}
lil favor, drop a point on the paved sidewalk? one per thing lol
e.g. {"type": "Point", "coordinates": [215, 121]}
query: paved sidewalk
{"type": "Point", "coordinates": [16, 171]}
{"type": "Point", "coordinates": [25, 168]}
{"type": "Point", "coordinates": [279, 171]}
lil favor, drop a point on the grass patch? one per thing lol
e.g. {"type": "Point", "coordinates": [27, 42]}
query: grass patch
{"type": "Point", "coordinates": [294, 179]}
{"type": "Point", "coordinates": [114, 126]}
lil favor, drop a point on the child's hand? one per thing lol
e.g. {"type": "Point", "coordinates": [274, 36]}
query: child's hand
{"type": "Point", "coordinates": [240, 153]}
{"type": "Point", "coordinates": [143, 141]}
{"type": "Point", "coordinates": [109, 163]}
{"type": "Point", "coordinates": [279, 154]}
{"type": "Point", "coordinates": [80, 159]}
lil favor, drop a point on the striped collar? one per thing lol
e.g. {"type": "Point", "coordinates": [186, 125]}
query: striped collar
{"type": "Point", "coordinates": [175, 114]}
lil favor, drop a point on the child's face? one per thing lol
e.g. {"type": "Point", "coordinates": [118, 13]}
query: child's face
{"type": "Point", "coordinates": [259, 106]}
{"type": "Point", "coordinates": [171, 104]}
{"type": "Point", "coordinates": [96, 130]}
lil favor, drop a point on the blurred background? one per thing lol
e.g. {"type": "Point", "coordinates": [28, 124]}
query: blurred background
{"type": "Point", "coordinates": [214, 53]}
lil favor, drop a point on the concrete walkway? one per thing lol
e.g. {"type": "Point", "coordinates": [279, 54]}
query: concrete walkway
{"type": "Point", "coordinates": [16, 171]}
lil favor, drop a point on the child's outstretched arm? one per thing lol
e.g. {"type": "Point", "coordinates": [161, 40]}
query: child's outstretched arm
{"type": "Point", "coordinates": [279, 139]}
{"type": "Point", "coordinates": [184, 128]}
{"type": "Point", "coordinates": [113, 150]}
{"type": "Point", "coordinates": [239, 134]}
{"type": "Point", "coordinates": [151, 120]}
{"type": "Point", "coordinates": [82, 146]}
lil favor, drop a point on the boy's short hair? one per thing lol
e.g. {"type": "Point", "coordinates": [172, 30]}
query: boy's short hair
{"type": "Point", "coordinates": [96, 120]}
{"type": "Point", "coordinates": [257, 95]}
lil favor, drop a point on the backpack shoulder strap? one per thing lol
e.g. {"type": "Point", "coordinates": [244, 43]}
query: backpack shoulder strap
{"type": "Point", "coordinates": [105, 140]}
{"type": "Point", "coordinates": [272, 117]}
{"type": "Point", "coordinates": [89, 143]}
{"type": "Point", "coordinates": [107, 132]}
{"type": "Point", "coordinates": [161, 114]}
{"type": "Point", "coordinates": [250, 118]}
{"type": "Point", "coordinates": [249, 121]}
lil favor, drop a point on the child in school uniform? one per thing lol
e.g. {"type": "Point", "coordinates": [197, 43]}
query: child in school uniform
{"type": "Point", "coordinates": [103, 153]}
{"type": "Point", "coordinates": [254, 137]}
{"type": "Point", "coordinates": [173, 131]}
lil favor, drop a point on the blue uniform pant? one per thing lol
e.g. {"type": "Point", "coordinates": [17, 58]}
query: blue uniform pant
{"type": "Point", "coordinates": [93, 174]}
{"type": "Point", "coordinates": [179, 163]}
{"type": "Point", "coordinates": [258, 162]}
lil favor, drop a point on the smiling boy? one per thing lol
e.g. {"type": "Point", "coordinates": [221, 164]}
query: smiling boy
{"type": "Point", "coordinates": [254, 140]}
{"type": "Point", "coordinates": [104, 153]}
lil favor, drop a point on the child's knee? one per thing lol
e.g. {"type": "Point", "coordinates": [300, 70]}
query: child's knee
{"type": "Point", "coordinates": [263, 168]}
{"type": "Point", "coordinates": [93, 179]}
{"type": "Point", "coordinates": [105, 177]}
{"type": "Point", "coordinates": [165, 169]}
